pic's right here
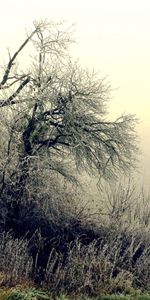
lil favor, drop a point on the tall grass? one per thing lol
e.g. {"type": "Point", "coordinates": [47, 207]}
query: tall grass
{"type": "Point", "coordinates": [15, 262]}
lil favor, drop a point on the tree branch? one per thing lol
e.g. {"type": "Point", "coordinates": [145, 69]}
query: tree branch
{"type": "Point", "coordinates": [12, 60]}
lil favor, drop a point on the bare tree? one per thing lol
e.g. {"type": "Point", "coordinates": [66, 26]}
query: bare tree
{"type": "Point", "coordinates": [56, 112]}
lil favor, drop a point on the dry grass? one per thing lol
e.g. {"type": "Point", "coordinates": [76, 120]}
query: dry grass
{"type": "Point", "coordinates": [15, 263]}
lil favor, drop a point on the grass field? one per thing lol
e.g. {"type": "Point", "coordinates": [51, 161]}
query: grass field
{"type": "Point", "coordinates": [33, 294]}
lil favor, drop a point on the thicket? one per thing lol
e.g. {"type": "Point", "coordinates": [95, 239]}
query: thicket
{"type": "Point", "coordinates": [54, 127]}
{"type": "Point", "coordinates": [106, 254]}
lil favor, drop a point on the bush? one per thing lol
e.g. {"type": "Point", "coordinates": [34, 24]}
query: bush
{"type": "Point", "coordinates": [66, 251]}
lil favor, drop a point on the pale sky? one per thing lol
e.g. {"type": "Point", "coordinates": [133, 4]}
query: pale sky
{"type": "Point", "coordinates": [112, 36]}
